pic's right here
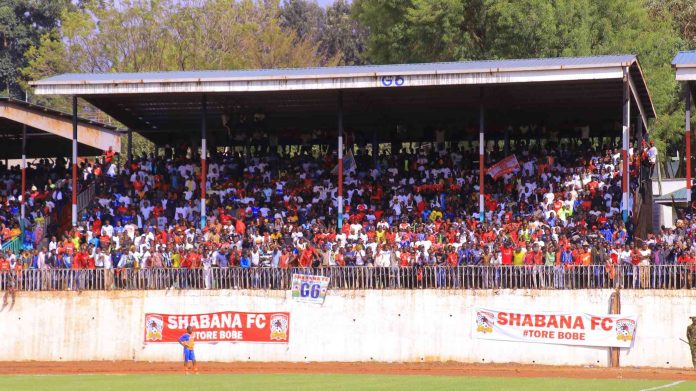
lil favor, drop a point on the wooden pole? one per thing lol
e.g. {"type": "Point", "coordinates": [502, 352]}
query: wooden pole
{"type": "Point", "coordinates": [615, 310]}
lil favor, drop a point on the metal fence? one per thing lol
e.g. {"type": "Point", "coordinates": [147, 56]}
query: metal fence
{"type": "Point", "coordinates": [85, 196]}
{"type": "Point", "coordinates": [361, 278]}
{"type": "Point", "coordinates": [13, 245]}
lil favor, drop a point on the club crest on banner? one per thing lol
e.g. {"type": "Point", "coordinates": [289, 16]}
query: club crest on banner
{"type": "Point", "coordinates": [625, 329]}
{"type": "Point", "coordinates": [279, 327]}
{"type": "Point", "coordinates": [484, 322]}
{"type": "Point", "coordinates": [153, 327]}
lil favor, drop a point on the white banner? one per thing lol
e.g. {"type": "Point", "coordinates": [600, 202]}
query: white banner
{"type": "Point", "coordinates": [308, 288]}
{"type": "Point", "coordinates": [564, 328]}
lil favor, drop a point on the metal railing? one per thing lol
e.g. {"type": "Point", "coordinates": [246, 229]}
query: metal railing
{"type": "Point", "coordinates": [48, 219]}
{"type": "Point", "coordinates": [85, 197]}
{"type": "Point", "coordinates": [360, 278]}
{"type": "Point", "coordinates": [13, 245]}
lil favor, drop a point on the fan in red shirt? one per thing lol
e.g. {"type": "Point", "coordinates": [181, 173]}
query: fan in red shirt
{"type": "Point", "coordinates": [339, 258]}
{"type": "Point", "coordinates": [452, 257]}
{"type": "Point", "coordinates": [405, 259]}
{"type": "Point", "coordinates": [225, 219]}
{"type": "Point", "coordinates": [80, 260]}
{"type": "Point", "coordinates": [90, 261]}
{"type": "Point", "coordinates": [239, 227]}
{"type": "Point", "coordinates": [307, 256]}
{"type": "Point", "coordinates": [96, 226]}
{"type": "Point", "coordinates": [529, 258]}
{"type": "Point", "coordinates": [109, 155]}
{"type": "Point", "coordinates": [284, 259]}
{"type": "Point", "coordinates": [193, 259]}
{"type": "Point", "coordinates": [138, 185]}
{"type": "Point", "coordinates": [506, 253]}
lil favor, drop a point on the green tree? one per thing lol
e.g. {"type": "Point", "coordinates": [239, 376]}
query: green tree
{"type": "Point", "coordinates": [162, 35]}
{"type": "Point", "coordinates": [304, 17]}
{"type": "Point", "coordinates": [170, 35]}
{"type": "Point", "coordinates": [340, 37]}
{"type": "Point", "coordinates": [343, 35]}
{"type": "Point", "coordinates": [670, 124]}
{"type": "Point", "coordinates": [453, 30]}
{"type": "Point", "coordinates": [22, 23]}
{"type": "Point", "coordinates": [684, 14]}
{"type": "Point", "coordinates": [421, 30]}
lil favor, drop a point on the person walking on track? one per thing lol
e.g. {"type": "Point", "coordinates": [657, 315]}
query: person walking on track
{"type": "Point", "coordinates": [691, 337]}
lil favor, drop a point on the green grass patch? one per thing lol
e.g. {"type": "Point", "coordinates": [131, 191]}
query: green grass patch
{"type": "Point", "coordinates": [308, 382]}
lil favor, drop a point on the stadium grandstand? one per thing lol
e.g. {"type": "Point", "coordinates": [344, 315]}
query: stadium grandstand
{"type": "Point", "coordinates": [506, 205]}
{"type": "Point", "coordinates": [391, 176]}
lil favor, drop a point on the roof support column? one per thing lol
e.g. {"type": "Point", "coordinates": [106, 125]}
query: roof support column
{"type": "Point", "coordinates": [625, 140]}
{"type": "Point", "coordinates": [74, 161]}
{"type": "Point", "coordinates": [204, 153]}
{"type": "Point", "coordinates": [644, 174]}
{"type": "Point", "coordinates": [24, 177]}
{"type": "Point", "coordinates": [506, 146]}
{"type": "Point", "coordinates": [687, 141]}
{"type": "Point", "coordinates": [129, 149]}
{"type": "Point", "coordinates": [482, 163]}
{"type": "Point", "coordinates": [339, 196]}
{"type": "Point", "coordinates": [375, 149]}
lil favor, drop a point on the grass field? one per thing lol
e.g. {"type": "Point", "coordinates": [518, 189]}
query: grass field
{"type": "Point", "coordinates": [318, 382]}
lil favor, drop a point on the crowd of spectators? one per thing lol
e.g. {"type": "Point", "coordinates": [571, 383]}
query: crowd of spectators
{"type": "Point", "coordinates": [414, 208]}
{"type": "Point", "coordinates": [47, 186]}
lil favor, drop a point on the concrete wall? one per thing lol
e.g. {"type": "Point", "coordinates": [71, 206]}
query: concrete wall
{"type": "Point", "coordinates": [390, 326]}
{"type": "Point", "coordinates": [668, 186]}
{"type": "Point", "coordinates": [663, 215]}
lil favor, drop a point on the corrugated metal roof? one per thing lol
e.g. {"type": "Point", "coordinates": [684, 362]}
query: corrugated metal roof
{"type": "Point", "coordinates": [686, 59]}
{"type": "Point", "coordinates": [677, 195]}
{"type": "Point", "coordinates": [95, 87]}
{"type": "Point", "coordinates": [320, 72]}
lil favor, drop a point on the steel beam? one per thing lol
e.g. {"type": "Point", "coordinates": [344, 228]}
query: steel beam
{"type": "Point", "coordinates": [89, 134]}
{"type": "Point", "coordinates": [339, 197]}
{"type": "Point", "coordinates": [625, 142]}
{"type": "Point", "coordinates": [74, 161]}
{"type": "Point", "coordinates": [204, 153]}
{"type": "Point", "coordinates": [687, 142]}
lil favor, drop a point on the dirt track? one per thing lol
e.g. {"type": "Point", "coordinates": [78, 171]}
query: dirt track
{"type": "Point", "coordinates": [442, 369]}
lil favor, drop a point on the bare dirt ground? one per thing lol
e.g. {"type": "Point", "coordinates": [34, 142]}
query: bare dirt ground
{"type": "Point", "coordinates": [431, 369]}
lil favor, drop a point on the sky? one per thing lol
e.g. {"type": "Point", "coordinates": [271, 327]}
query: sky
{"type": "Point", "coordinates": [324, 3]}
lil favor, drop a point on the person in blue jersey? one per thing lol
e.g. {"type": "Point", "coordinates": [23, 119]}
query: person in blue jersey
{"type": "Point", "coordinates": [187, 341]}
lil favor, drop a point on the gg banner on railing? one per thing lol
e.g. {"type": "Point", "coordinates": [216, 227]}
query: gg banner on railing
{"type": "Point", "coordinates": [564, 328]}
{"type": "Point", "coordinates": [269, 327]}
{"type": "Point", "coordinates": [308, 288]}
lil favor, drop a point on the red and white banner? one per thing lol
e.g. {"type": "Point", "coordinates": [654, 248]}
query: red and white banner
{"type": "Point", "coordinates": [270, 327]}
{"type": "Point", "coordinates": [564, 328]}
{"type": "Point", "coordinates": [503, 167]}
